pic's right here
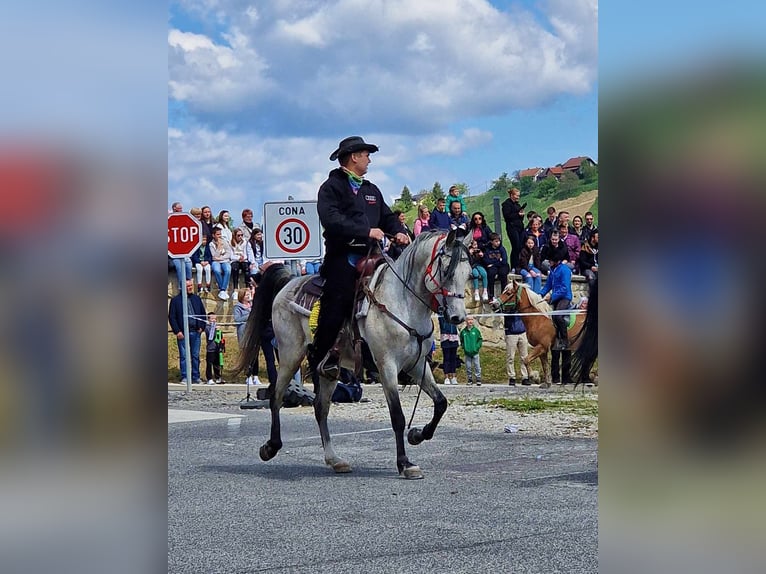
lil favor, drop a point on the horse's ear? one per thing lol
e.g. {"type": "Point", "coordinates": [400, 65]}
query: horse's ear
{"type": "Point", "coordinates": [450, 238]}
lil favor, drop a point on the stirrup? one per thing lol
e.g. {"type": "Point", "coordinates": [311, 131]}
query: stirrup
{"type": "Point", "coordinates": [330, 366]}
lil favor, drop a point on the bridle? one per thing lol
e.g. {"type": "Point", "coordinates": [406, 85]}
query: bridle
{"type": "Point", "coordinates": [434, 284]}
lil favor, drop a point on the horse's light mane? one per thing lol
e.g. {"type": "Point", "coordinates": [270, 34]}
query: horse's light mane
{"type": "Point", "coordinates": [536, 300]}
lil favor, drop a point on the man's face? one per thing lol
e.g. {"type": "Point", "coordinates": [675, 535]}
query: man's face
{"type": "Point", "coordinates": [216, 235]}
{"type": "Point", "coordinates": [402, 218]}
{"type": "Point", "coordinates": [177, 208]}
{"type": "Point", "coordinates": [247, 216]}
{"type": "Point", "coordinates": [469, 322]}
{"type": "Point", "coordinates": [440, 204]}
{"type": "Point", "coordinates": [588, 220]}
{"type": "Point", "coordinates": [563, 230]}
{"type": "Point", "coordinates": [189, 286]}
{"type": "Point", "coordinates": [552, 215]}
{"type": "Point", "coordinates": [565, 218]}
{"type": "Point", "coordinates": [455, 208]}
{"type": "Point", "coordinates": [554, 239]}
{"type": "Point", "coordinates": [360, 161]}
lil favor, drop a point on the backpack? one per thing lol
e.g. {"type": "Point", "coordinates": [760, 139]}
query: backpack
{"type": "Point", "coordinates": [348, 389]}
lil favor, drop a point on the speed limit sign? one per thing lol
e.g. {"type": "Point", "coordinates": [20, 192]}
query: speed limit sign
{"type": "Point", "coordinates": [292, 230]}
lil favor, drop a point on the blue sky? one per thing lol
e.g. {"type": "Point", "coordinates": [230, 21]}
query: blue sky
{"type": "Point", "coordinates": [260, 93]}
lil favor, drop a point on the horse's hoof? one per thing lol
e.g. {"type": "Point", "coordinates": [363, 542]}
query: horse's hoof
{"type": "Point", "coordinates": [266, 452]}
{"type": "Point", "coordinates": [415, 436]}
{"type": "Point", "coordinates": [412, 473]}
{"type": "Point", "coordinates": [340, 466]}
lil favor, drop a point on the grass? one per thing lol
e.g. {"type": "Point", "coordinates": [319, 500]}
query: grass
{"type": "Point", "coordinates": [580, 406]}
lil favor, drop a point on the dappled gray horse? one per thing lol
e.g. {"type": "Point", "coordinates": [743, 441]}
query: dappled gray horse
{"type": "Point", "coordinates": [430, 275]}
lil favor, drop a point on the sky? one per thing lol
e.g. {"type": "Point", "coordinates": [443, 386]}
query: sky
{"type": "Point", "coordinates": [455, 91]}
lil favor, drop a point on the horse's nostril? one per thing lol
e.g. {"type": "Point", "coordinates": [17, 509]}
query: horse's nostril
{"type": "Point", "coordinates": [455, 320]}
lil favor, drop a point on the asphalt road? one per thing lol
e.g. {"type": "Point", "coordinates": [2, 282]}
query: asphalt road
{"type": "Point", "coordinates": [488, 503]}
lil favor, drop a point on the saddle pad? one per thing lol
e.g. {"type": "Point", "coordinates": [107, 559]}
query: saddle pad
{"type": "Point", "coordinates": [309, 293]}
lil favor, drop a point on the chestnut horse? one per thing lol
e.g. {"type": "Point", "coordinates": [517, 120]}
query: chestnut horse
{"type": "Point", "coordinates": [519, 298]}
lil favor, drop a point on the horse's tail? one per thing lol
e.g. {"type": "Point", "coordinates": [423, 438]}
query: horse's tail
{"type": "Point", "coordinates": [273, 280]}
{"type": "Point", "coordinates": [587, 352]}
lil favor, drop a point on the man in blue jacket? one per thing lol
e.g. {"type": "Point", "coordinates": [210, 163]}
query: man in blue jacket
{"type": "Point", "coordinates": [558, 290]}
{"type": "Point", "coordinates": [354, 216]}
{"type": "Point", "coordinates": [439, 217]}
{"type": "Point", "coordinates": [196, 326]}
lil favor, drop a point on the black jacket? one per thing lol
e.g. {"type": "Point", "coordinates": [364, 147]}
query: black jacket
{"type": "Point", "coordinates": [348, 218]}
{"type": "Point", "coordinates": [511, 215]}
{"type": "Point", "coordinates": [548, 249]}
{"type": "Point", "coordinates": [176, 313]}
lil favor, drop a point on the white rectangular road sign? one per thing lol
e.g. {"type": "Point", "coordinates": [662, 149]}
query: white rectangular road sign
{"type": "Point", "coordinates": [292, 230]}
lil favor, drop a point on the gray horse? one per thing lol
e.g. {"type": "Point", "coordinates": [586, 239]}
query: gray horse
{"type": "Point", "coordinates": [430, 275]}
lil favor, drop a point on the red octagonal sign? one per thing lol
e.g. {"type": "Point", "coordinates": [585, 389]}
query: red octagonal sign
{"type": "Point", "coordinates": [184, 234]}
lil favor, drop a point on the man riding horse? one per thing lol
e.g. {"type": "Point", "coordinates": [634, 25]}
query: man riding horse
{"type": "Point", "coordinates": [353, 214]}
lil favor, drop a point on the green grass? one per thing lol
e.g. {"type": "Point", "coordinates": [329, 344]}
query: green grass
{"type": "Point", "coordinates": [580, 406]}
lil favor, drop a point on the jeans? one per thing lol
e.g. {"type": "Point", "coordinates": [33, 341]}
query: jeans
{"type": "Point", "coordinates": [312, 267]}
{"type": "Point", "coordinates": [177, 262]}
{"type": "Point", "coordinates": [536, 283]}
{"type": "Point", "coordinates": [195, 339]}
{"type": "Point", "coordinates": [222, 272]}
{"type": "Point", "coordinates": [473, 368]}
{"type": "Point", "coordinates": [477, 272]}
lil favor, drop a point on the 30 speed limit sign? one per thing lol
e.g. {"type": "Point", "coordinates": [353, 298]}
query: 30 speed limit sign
{"type": "Point", "coordinates": [292, 230]}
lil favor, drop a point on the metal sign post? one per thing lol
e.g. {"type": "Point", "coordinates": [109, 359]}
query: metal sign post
{"type": "Point", "coordinates": [187, 346]}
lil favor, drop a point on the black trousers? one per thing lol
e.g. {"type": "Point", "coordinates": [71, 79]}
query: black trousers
{"type": "Point", "coordinates": [516, 237]}
{"type": "Point", "coordinates": [335, 305]}
{"type": "Point", "coordinates": [565, 358]}
{"type": "Point", "coordinates": [213, 367]}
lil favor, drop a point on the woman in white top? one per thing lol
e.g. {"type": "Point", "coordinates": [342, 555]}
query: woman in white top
{"type": "Point", "coordinates": [220, 251]}
{"type": "Point", "coordinates": [224, 222]}
{"type": "Point", "coordinates": [239, 259]}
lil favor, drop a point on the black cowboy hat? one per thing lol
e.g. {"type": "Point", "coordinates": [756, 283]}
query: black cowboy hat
{"type": "Point", "coordinates": [350, 145]}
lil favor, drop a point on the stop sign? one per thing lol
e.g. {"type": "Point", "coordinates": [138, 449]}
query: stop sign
{"type": "Point", "coordinates": [184, 234]}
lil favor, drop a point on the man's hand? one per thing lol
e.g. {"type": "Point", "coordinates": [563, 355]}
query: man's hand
{"type": "Point", "coordinates": [376, 233]}
{"type": "Point", "coordinates": [180, 335]}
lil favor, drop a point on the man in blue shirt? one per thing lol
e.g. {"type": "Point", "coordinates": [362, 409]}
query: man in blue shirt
{"type": "Point", "coordinates": [439, 217]}
{"type": "Point", "coordinates": [558, 290]}
{"type": "Point", "coordinates": [196, 316]}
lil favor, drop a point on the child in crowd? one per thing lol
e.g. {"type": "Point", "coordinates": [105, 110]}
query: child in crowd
{"type": "Point", "coordinates": [530, 264]}
{"type": "Point", "coordinates": [471, 341]}
{"type": "Point", "coordinates": [495, 261]}
{"type": "Point", "coordinates": [515, 340]}
{"type": "Point", "coordinates": [214, 351]}
{"type": "Point", "coordinates": [454, 195]}
{"type": "Point", "coordinates": [449, 343]}
{"type": "Point", "coordinates": [201, 259]}
{"type": "Point", "coordinates": [478, 271]}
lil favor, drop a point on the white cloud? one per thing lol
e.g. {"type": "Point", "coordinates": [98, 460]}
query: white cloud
{"type": "Point", "coordinates": [452, 145]}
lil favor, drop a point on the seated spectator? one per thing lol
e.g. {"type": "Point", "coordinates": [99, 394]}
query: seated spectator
{"type": "Point", "coordinates": [456, 217]}
{"type": "Point", "coordinates": [588, 259]}
{"type": "Point", "coordinates": [394, 250]}
{"type": "Point", "coordinates": [202, 261]}
{"type": "Point", "coordinates": [551, 222]}
{"type": "Point", "coordinates": [221, 254]}
{"type": "Point", "coordinates": [478, 272]}
{"type": "Point", "coordinates": [590, 225]}
{"type": "Point", "coordinates": [553, 247]}
{"type": "Point", "coordinates": [256, 255]}
{"type": "Point", "coordinates": [247, 224]}
{"type": "Point", "coordinates": [421, 223]}
{"type": "Point", "coordinates": [439, 217]}
{"type": "Point", "coordinates": [206, 217]}
{"type": "Point", "coordinates": [239, 262]}
{"type": "Point", "coordinates": [495, 261]}
{"type": "Point", "coordinates": [530, 264]}
{"type": "Point", "coordinates": [179, 263]}
{"type": "Point", "coordinates": [572, 243]}
{"type": "Point", "coordinates": [579, 230]}
{"type": "Point", "coordinates": [479, 229]}
{"type": "Point", "coordinates": [536, 232]}
{"type": "Point", "coordinates": [312, 267]}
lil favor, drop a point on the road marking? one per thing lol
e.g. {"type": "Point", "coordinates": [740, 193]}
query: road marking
{"type": "Point", "coordinates": [183, 416]}
{"type": "Point", "coordinates": [334, 434]}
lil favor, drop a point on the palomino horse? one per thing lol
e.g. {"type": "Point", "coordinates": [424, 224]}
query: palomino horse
{"type": "Point", "coordinates": [519, 298]}
{"type": "Point", "coordinates": [430, 275]}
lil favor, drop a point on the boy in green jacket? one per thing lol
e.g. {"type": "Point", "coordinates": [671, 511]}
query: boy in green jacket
{"type": "Point", "coordinates": [471, 340]}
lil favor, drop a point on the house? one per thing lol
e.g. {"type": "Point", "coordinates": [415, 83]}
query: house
{"type": "Point", "coordinates": [534, 172]}
{"type": "Point", "coordinates": [554, 171]}
{"type": "Point", "coordinates": [573, 164]}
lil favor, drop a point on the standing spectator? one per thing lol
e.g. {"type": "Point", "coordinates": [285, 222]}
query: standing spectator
{"type": "Point", "coordinates": [495, 261]}
{"type": "Point", "coordinates": [588, 259]}
{"type": "Point", "coordinates": [530, 264]}
{"type": "Point", "coordinates": [213, 340]}
{"type": "Point", "coordinates": [239, 315]}
{"type": "Point", "coordinates": [224, 222]}
{"type": "Point", "coordinates": [247, 226]}
{"type": "Point", "coordinates": [206, 217]}
{"type": "Point", "coordinates": [536, 232]}
{"type": "Point", "coordinates": [394, 249]}
{"type": "Point", "coordinates": [439, 216]}
{"type": "Point", "coordinates": [456, 217]}
{"type": "Point", "coordinates": [220, 252]}
{"type": "Point", "coordinates": [203, 262]}
{"type": "Point", "coordinates": [578, 230]}
{"type": "Point", "coordinates": [239, 261]}
{"type": "Point", "coordinates": [558, 290]}
{"type": "Point", "coordinates": [453, 194]}
{"type": "Point", "coordinates": [564, 218]}
{"type": "Point", "coordinates": [196, 212]}
{"type": "Point", "coordinates": [553, 247]}
{"type": "Point", "coordinates": [478, 272]}
{"type": "Point", "coordinates": [176, 207]}
{"type": "Point", "coordinates": [196, 322]}
{"type": "Point", "coordinates": [421, 223]}
{"type": "Point", "coordinates": [551, 223]}
{"type": "Point", "coordinates": [471, 341]}
{"type": "Point", "coordinates": [590, 225]}
{"type": "Point", "coordinates": [479, 229]}
{"type": "Point", "coordinates": [572, 244]}
{"type": "Point", "coordinates": [513, 214]}
{"type": "Point", "coordinates": [449, 344]}
{"type": "Point", "coordinates": [515, 340]}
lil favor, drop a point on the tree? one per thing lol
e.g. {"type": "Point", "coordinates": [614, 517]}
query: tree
{"type": "Point", "coordinates": [437, 192]}
{"type": "Point", "coordinates": [568, 183]}
{"type": "Point", "coordinates": [588, 171]}
{"type": "Point", "coordinates": [406, 199]}
{"type": "Point", "coordinates": [526, 184]}
{"type": "Point", "coordinates": [501, 185]}
{"type": "Point", "coordinates": [547, 187]}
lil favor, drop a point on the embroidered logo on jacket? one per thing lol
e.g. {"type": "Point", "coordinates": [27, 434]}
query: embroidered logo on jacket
{"type": "Point", "coordinates": [371, 198]}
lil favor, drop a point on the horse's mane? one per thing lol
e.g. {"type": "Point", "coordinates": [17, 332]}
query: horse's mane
{"type": "Point", "coordinates": [536, 300]}
{"type": "Point", "coordinates": [405, 264]}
